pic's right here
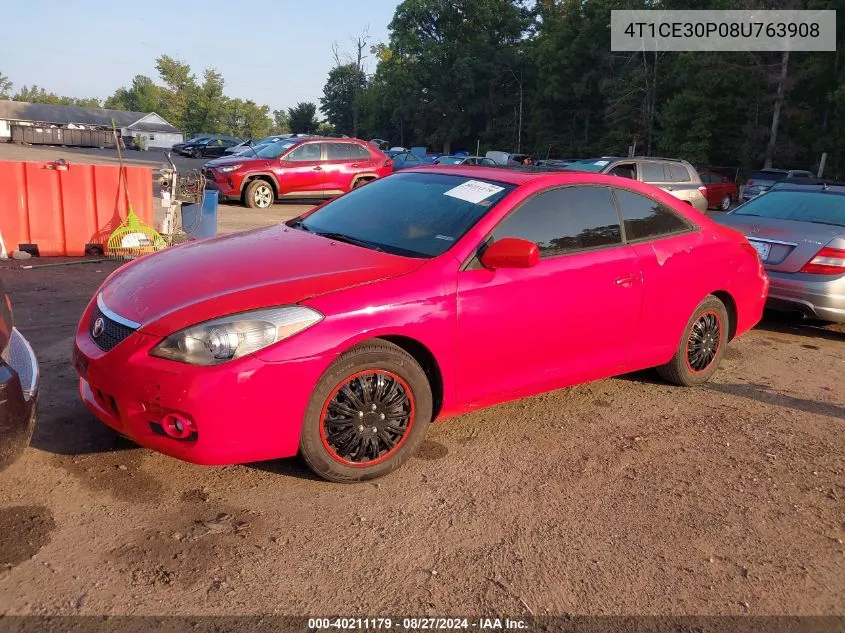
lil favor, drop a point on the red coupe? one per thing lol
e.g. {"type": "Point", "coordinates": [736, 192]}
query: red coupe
{"type": "Point", "coordinates": [342, 334]}
{"type": "Point", "coordinates": [721, 192]}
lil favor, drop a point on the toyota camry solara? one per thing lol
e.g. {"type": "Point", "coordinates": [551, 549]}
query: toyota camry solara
{"type": "Point", "coordinates": [342, 334]}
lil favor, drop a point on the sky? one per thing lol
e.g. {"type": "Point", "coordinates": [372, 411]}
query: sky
{"type": "Point", "coordinates": [275, 53]}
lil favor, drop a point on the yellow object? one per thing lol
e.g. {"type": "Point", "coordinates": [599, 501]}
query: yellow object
{"type": "Point", "coordinates": [132, 238]}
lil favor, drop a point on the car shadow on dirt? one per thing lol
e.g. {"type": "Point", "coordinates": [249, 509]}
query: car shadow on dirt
{"type": "Point", "coordinates": [783, 323]}
{"type": "Point", "coordinates": [767, 395]}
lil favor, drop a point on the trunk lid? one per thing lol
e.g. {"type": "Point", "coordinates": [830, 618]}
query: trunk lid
{"type": "Point", "coordinates": [789, 244]}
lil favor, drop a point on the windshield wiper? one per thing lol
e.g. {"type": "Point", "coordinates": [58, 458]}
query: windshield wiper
{"type": "Point", "coordinates": [342, 237]}
{"type": "Point", "coordinates": [821, 222]}
{"type": "Point", "coordinates": [298, 224]}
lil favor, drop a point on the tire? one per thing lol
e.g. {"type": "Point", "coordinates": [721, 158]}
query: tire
{"type": "Point", "coordinates": [360, 182]}
{"type": "Point", "coordinates": [688, 368]}
{"type": "Point", "coordinates": [259, 194]}
{"type": "Point", "coordinates": [197, 153]}
{"type": "Point", "coordinates": [365, 371]}
{"type": "Point", "coordinates": [725, 204]}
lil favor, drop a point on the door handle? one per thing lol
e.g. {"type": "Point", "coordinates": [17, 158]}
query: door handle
{"type": "Point", "coordinates": [627, 280]}
{"type": "Point", "coordinates": [318, 168]}
{"type": "Point", "coordinates": [355, 164]}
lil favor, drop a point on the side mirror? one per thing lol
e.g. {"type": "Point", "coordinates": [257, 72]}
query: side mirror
{"type": "Point", "coordinates": [511, 252]}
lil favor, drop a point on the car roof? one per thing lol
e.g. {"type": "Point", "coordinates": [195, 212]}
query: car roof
{"type": "Point", "coordinates": [814, 185]}
{"type": "Point", "coordinates": [520, 177]}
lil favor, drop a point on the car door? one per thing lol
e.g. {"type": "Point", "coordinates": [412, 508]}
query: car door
{"type": "Point", "coordinates": [343, 161]}
{"type": "Point", "coordinates": [667, 248]}
{"type": "Point", "coordinates": [301, 170]}
{"type": "Point", "coordinates": [567, 319]}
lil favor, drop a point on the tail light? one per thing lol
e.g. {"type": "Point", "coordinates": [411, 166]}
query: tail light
{"type": "Point", "coordinates": [748, 184]}
{"type": "Point", "coordinates": [387, 163]}
{"type": "Point", "coordinates": [703, 190]}
{"type": "Point", "coordinates": [828, 261]}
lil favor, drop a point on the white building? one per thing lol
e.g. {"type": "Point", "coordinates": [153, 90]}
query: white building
{"type": "Point", "coordinates": [152, 128]}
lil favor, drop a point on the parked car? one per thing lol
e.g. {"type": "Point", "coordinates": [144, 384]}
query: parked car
{"type": "Point", "coordinates": [250, 147]}
{"type": "Point", "coordinates": [404, 160]}
{"type": "Point", "coordinates": [309, 167]}
{"type": "Point", "coordinates": [213, 146]}
{"type": "Point", "coordinates": [762, 180]}
{"type": "Point", "coordinates": [193, 141]}
{"type": "Point", "coordinates": [799, 228]}
{"type": "Point", "coordinates": [506, 158]}
{"type": "Point", "coordinates": [342, 334]}
{"type": "Point", "coordinates": [465, 160]}
{"type": "Point", "coordinates": [721, 192]}
{"type": "Point", "coordinates": [675, 176]}
{"type": "Point", "coordinates": [19, 382]}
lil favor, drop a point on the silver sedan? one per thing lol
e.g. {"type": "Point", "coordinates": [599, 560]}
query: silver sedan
{"type": "Point", "coordinates": [799, 230]}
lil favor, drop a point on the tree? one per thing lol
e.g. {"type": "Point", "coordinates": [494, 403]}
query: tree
{"type": "Point", "coordinates": [178, 93]}
{"type": "Point", "coordinates": [280, 122]}
{"type": "Point", "coordinates": [36, 94]}
{"type": "Point", "coordinates": [247, 119]}
{"type": "Point", "coordinates": [142, 96]}
{"type": "Point", "coordinates": [302, 118]}
{"type": "Point", "coordinates": [5, 87]}
{"type": "Point", "coordinates": [338, 100]}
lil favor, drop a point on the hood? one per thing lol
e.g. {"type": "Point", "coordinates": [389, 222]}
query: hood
{"type": "Point", "coordinates": [234, 160]}
{"type": "Point", "coordinates": [277, 265]}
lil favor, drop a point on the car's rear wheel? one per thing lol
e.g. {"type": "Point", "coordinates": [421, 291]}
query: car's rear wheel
{"type": "Point", "coordinates": [368, 414]}
{"type": "Point", "coordinates": [197, 153]}
{"type": "Point", "coordinates": [259, 194]}
{"type": "Point", "coordinates": [702, 345]}
{"type": "Point", "coordinates": [725, 204]}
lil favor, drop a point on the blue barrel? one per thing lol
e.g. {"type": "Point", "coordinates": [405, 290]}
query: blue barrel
{"type": "Point", "coordinates": [200, 221]}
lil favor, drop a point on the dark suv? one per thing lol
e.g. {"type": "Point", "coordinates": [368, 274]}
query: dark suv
{"type": "Point", "coordinates": [313, 167]}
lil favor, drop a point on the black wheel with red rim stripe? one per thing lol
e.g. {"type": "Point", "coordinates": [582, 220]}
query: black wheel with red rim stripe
{"type": "Point", "coordinates": [702, 345]}
{"type": "Point", "coordinates": [368, 413]}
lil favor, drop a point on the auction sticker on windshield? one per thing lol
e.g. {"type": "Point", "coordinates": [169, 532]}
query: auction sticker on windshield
{"type": "Point", "coordinates": [473, 191]}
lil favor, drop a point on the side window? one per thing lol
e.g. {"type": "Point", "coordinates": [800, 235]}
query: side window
{"type": "Point", "coordinates": [565, 220]}
{"type": "Point", "coordinates": [338, 151]}
{"type": "Point", "coordinates": [228, 143]}
{"type": "Point", "coordinates": [677, 173]}
{"type": "Point", "coordinates": [652, 172]}
{"type": "Point", "coordinates": [626, 170]}
{"type": "Point", "coordinates": [488, 162]}
{"type": "Point", "coordinates": [303, 153]}
{"type": "Point", "coordinates": [706, 178]}
{"type": "Point", "coordinates": [646, 218]}
{"type": "Point", "coordinates": [360, 153]}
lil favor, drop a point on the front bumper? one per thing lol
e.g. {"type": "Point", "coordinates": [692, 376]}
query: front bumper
{"type": "Point", "coordinates": [244, 411]}
{"type": "Point", "coordinates": [226, 188]}
{"type": "Point", "coordinates": [813, 297]}
{"type": "Point", "coordinates": [19, 381]}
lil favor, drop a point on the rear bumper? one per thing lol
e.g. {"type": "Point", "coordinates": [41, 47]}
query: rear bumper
{"type": "Point", "coordinates": [19, 381]}
{"type": "Point", "coordinates": [818, 299]}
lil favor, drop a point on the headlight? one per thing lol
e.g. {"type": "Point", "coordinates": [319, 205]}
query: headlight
{"type": "Point", "coordinates": [227, 338]}
{"type": "Point", "coordinates": [228, 168]}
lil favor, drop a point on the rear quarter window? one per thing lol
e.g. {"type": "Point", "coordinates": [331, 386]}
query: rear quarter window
{"type": "Point", "coordinates": [646, 219]}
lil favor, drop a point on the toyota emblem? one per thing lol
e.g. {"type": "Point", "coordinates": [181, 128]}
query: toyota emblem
{"type": "Point", "coordinates": [99, 326]}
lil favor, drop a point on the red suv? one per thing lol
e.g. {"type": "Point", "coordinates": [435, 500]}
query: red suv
{"type": "Point", "coordinates": [312, 167]}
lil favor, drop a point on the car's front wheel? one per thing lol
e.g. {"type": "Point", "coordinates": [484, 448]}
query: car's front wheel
{"type": "Point", "coordinates": [725, 204]}
{"type": "Point", "coordinates": [259, 194]}
{"type": "Point", "coordinates": [368, 414]}
{"type": "Point", "coordinates": [702, 345]}
{"type": "Point", "coordinates": [197, 153]}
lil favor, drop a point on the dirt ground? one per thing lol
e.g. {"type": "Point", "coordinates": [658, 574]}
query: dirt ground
{"type": "Point", "coordinates": [624, 496]}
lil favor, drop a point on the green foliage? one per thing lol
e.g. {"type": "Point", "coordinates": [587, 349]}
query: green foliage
{"type": "Point", "coordinates": [280, 122]}
{"type": "Point", "coordinates": [302, 118]}
{"type": "Point", "coordinates": [5, 87]}
{"type": "Point", "coordinates": [36, 94]}
{"type": "Point", "coordinates": [338, 100]}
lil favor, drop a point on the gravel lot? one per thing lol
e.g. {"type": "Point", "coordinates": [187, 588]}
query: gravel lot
{"type": "Point", "coordinates": [623, 496]}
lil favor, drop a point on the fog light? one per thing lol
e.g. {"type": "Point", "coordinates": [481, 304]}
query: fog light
{"type": "Point", "coordinates": [178, 427]}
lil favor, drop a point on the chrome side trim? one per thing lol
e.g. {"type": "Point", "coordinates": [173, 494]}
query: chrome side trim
{"type": "Point", "coordinates": [113, 315]}
{"type": "Point", "coordinates": [768, 241]}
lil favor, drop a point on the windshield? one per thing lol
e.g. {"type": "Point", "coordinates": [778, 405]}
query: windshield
{"type": "Point", "coordinates": [592, 164]}
{"type": "Point", "coordinates": [802, 206]}
{"type": "Point", "coordinates": [768, 175]}
{"type": "Point", "coordinates": [410, 214]}
{"type": "Point", "coordinates": [273, 150]}
{"type": "Point", "coordinates": [450, 160]}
